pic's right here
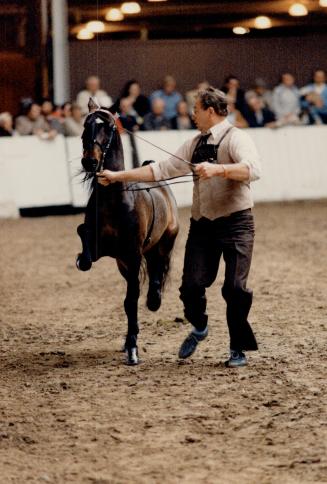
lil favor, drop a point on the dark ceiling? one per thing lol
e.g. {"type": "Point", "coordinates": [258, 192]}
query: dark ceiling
{"type": "Point", "coordinates": [202, 18]}
{"type": "Point", "coordinates": [177, 18]}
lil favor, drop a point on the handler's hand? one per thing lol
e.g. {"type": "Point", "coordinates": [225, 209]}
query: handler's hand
{"type": "Point", "coordinates": [106, 177]}
{"type": "Point", "coordinates": [207, 170]}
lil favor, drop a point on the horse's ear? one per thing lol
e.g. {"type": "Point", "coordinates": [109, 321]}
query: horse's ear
{"type": "Point", "coordinates": [93, 104]}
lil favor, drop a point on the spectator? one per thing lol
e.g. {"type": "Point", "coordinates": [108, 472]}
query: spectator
{"type": "Point", "coordinates": [156, 120]}
{"type": "Point", "coordinates": [257, 116]}
{"type": "Point", "coordinates": [140, 103]}
{"type": "Point", "coordinates": [169, 95]}
{"type": "Point", "coordinates": [286, 101]}
{"type": "Point", "coordinates": [191, 95]}
{"type": "Point", "coordinates": [31, 122]}
{"type": "Point", "coordinates": [232, 88]}
{"type": "Point", "coordinates": [261, 90]}
{"type": "Point", "coordinates": [47, 110]}
{"type": "Point", "coordinates": [235, 116]}
{"type": "Point", "coordinates": [314, 98]}
{"type": "Point", "coordinates": [183, 120]}
{"type": "Point", "coordinates": [92, 85]}
{"type": "Point", "coordinates": [127, 119]}
{"type": "Point", "coordinates": [66, 110]}
{"type": "Point", "coordinates": [73, 125]}
{"type": "Point", "coordinates": [6, 124]}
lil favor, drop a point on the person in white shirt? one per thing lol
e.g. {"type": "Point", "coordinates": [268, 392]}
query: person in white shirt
{"type": "Point", "coordinates": [224, 161]}
{"type": "Point", "coordinates": [92, 89]}
{"type": "Point", "coordinates": [286, 101]}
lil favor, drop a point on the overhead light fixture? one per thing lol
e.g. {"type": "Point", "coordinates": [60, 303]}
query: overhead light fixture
{"type": "Point", "coordinates": [130, 8]}
{"type": "Point", "coordinates": [114, 15]}
{"type": "Point", "coordinates": [239, 30]}
{"type": "Point", "coordinates": [298, 10]}
{"type": "Point", "coordinates": [323, 3]}
{"type": "Point", "coordinates": [262, 22]}
{"type": "Point", "coordinates": [95, 26]}
{"type": "Point", "coordinates": [85, 34]}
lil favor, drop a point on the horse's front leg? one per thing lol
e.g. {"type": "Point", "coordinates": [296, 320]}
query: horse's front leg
{"type": "Point", "coordinates": [131, 273]}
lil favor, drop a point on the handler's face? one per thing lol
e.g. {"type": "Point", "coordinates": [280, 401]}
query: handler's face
{"type": "Point", "coordinates": [201, 117]}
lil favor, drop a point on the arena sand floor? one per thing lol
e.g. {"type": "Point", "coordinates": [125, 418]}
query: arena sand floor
{"type": "Point", "coordinates": [72, 412]}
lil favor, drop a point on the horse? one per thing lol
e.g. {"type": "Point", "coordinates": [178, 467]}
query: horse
{"type": "Point", "coordinates": [134, 223]}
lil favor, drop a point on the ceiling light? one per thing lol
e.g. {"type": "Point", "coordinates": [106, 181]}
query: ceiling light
{"type": "Point", "coordinates": [85, 34]}
{"type": "Point", "coordinates": [95, 26]}
{"type": "Point", "coordinates": [130, 7]}
{"type": "Point", "coordinates": [298, 10]}
{"type": "Point", "coordinates": [114, 15]}
{"type": "Point", "coordinates": [262, 22]}
{"type": "Point", "coordinates": [238, 30]}
{"type": "Point", "coordinates": [323, 3]}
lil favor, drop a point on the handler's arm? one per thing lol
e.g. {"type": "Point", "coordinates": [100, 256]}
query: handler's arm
{"type": "Point", "coordinates": [144, 173]}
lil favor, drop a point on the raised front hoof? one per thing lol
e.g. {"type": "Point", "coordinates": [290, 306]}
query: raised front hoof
{"type": "Point", "coordinates": [132, 357]}
{"type": "Point", "coordinates": [83, 263]}
{"type": "Point", "coordinates": [153, 301]}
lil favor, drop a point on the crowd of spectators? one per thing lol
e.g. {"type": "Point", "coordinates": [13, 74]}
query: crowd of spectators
{"type": "Point", "coordinates": [167, 108]}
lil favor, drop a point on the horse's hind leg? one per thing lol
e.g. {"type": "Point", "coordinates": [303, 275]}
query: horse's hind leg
{"type": "Point", "coordinates": [158, 262]}
{"type": "Point", "coordinates": [131, 274]}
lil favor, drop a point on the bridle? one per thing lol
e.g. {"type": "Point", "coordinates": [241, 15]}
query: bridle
{"type": "Point", "coordinates": [97, 165]}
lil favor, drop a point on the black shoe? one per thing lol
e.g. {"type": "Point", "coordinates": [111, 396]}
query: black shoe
{"type": "Point", "coordinates": [190, 343]}
{"type": "Point", "coordinates": [236, 359]}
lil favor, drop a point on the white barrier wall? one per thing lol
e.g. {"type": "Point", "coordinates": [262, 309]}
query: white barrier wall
{"type": "Point", "coordinates": [294, 161]}
{"type": "Point", "coordinates": [36, 173]}
{"type": "Point", "coordinates": [35, 170]}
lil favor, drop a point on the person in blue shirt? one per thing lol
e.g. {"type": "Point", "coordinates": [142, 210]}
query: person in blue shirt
{"type": "Point", "coordinates": [169, 95]}
{"type": "Point", "coordinates": [314, 98]}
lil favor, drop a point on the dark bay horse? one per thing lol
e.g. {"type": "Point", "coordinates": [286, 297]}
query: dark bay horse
{"type": "Point", "coordinates": [124, 222]}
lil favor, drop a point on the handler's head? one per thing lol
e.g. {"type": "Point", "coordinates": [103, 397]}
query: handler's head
{"type": "Point", "coordinates": [210, 107]}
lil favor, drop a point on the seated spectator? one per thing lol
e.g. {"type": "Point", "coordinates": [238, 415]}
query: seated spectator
{"type": "Point", "coordinates": [140, 103]}
{"type": "Point", "coordinates": [261, 90]}
{"type": "Point", "coordinates": [127, 119]}
{"type": "Point", "coordinates": [6, 124]}
{"type": "Point", "coordinates": [66, 110]}
{"type": "Point", "coordinates": [92, 89]}
{"type": "Point", "coordinates": [169, 95]}
{"type": "Point", "coordinates": [183, 120]}
{"type": "Point", "coordinates": [232, 88]}
{"type": "Point", "coordinates": [314, 98]}
{"type": "Point", "coordinates": [52, 117]}
{"type": "Point", "coordinates": [286, 101]}
{"type": "Point", "coordinates": [257, 116]}
{"type": "Point", "coordinates": [190, 96]}
{"type": "Point", "coordinates": [73, 125]}
{"type": "Point", "coordinates": [235, 116]}
{"type": "Point", "coordinates": [31, 122]}
{"type": "Point", "coordinates": [156, 120]}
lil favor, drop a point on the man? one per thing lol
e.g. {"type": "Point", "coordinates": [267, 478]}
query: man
{"type": "Point", "coordinates": [156, 119]}
{"type": "Point", "coordinates": [221, 223]}
{"type": "Point", "coordinates": [314, 98]}
{"type": "Point", "coordinates": [257, 116]}
{"type": "Point", "coordinates": [286, 101]}
{"type": "Point", "coordinates": [169, 95]}
{"type": "Point", "coordinates": [32, 122]}
{"type": "Point", "coordinates": [93, 89]}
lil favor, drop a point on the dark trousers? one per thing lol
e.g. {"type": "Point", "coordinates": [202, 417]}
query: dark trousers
{"type": "Point", "coordinates": [232, 237]}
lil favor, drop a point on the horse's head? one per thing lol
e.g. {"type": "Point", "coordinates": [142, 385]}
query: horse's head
{"type": "Point", "coordinates": [98, 137]}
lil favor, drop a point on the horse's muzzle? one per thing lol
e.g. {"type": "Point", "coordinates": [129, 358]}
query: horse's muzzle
{"type": "Point", "coordinates": [90, 164]}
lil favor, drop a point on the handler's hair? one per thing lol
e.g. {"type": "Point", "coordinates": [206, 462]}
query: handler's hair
{"type": "Point", "coordinates": [213, 98]}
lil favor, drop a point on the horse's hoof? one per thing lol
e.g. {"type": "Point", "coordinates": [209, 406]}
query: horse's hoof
{"type": "Point", "coordinates": [153, 301]}
{"type": "Point", "coordinates": [132, 357]}
{"type": "Point", "coordinates": [82, 263]}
